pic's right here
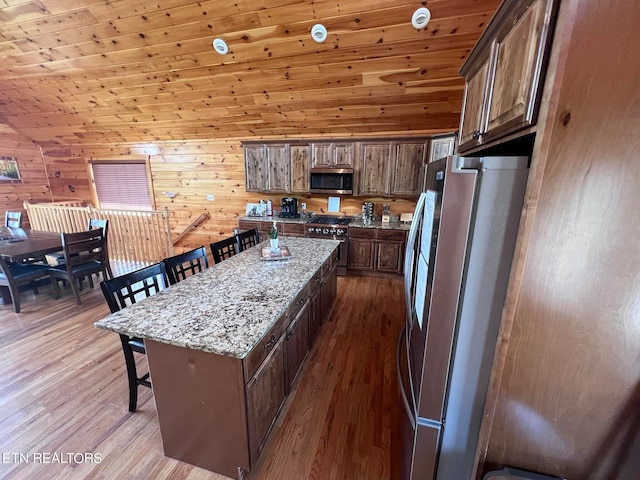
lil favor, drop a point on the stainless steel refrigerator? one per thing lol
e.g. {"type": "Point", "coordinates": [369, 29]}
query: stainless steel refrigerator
{"type": "Point", "coordinates": [457, 265]}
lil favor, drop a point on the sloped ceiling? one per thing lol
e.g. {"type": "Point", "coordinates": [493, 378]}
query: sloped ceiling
{"type": "Point", "coordinates": [103, 71]}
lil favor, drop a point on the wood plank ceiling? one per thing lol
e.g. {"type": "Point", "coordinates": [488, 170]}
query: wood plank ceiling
{"type": "Point", "coordinates": [104, 71]}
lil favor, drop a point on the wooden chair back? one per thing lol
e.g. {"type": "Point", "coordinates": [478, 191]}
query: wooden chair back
{"type": "Point", "coordinates": [94, 223]}
{"type": "Point", "coordinates": [247, 239]}
{"type": "Point", "coordinates": [127, 289]}
{"type": "Point", "coordinates": [13, 219]}
{"type": "Point", "coordinates": [180, 266]}
{"type": "Point", "coordinates": [224, 249]}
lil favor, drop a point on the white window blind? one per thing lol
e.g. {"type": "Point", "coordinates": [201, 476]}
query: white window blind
{"type": "Point", "coordinates": [122, 185]}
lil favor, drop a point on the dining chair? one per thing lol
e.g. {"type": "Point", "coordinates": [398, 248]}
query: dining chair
{"type": "Point", "coordinates": [247, 239]}
{"type": "Point", "coordinates": [180, 266]}
{"type": "Point", "coordinates": [14, 275]}
{"type": "Point", "coordinates": [13, 219]}
{"type": "Point", "coordinates": [84, 255]}
{"type": "Point", "coordinates": [125, 290]}
{"type": "Point", "coordinates": [104, 225]}
{"type": "Point", "coordinates": [93, 223]}
{"type": "Point", "coordinates": [224, 249]}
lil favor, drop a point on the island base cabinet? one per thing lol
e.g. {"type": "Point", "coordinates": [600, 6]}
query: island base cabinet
{"type": "Point", "coordinates": [200, 402]}
{"type": "Point", "coordinates": [265, 395]}
{"type": "Point", "coordinates": [296, 344]}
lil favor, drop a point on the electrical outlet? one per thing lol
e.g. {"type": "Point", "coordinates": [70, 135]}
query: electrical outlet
{"type": "Point", "coordinates": [211, 198]}
{"type": "Point", "coordinates": [304, 205]}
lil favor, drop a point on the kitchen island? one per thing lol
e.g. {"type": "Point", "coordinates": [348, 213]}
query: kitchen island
{"type": "Point", "coordinates": [225, 346]}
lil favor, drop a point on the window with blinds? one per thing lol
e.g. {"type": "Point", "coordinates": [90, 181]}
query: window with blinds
{"type": "Point", "coordinates": [122, 186]}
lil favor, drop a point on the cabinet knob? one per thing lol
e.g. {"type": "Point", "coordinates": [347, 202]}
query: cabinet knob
{"type": "Point", "coordinates": [476, 134]}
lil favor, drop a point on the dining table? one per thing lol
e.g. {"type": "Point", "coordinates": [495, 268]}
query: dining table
{"type": "Point", "coordinates": [19, 244]}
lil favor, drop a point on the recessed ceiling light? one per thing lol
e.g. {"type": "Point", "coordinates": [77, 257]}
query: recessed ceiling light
{"type": "Point", "coordinates": [319, 33]}
{"type": "Point", "coordinates": [220, 46]}
{"type": "Point", "coordinates": [420, 18]}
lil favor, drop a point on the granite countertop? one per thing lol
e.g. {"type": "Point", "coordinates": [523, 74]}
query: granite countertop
{"type": "Point", "coordinates": [393, 225]}
{"type": "Point", "coordinates": [276, 218]}
{"type": "Point", "coordinates": [355, 222]}
{"type": "Point", "coordinates": [227, 308]}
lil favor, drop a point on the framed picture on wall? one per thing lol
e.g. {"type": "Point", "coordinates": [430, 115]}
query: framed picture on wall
{"type": "Point", "coordinates": [9, 171]}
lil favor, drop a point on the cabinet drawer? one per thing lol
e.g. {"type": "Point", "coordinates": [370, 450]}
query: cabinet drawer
{"type": "Point", "coordinates": [294, 229]}
{"type": "Point", "coordinates": [356, 232]}
{"type": "Point", "coordinates": [390, 235]}
{"type": "Point", "coordinates": [252, 362]}
{"type": "Point", "coordinates": [298, 302]}
{"type": "Point", "coordinates": [314, 283]}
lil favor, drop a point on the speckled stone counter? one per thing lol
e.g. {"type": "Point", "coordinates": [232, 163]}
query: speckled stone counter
{"type": "Point", "coordinates": [378, 224]}
{"type": "Point", "coordinates": [276, 218]}
{"type": "Point", "coordinates": [227, 308]}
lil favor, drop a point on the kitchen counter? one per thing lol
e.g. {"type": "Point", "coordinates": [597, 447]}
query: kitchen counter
{"type": "Point", "coordinates": [355, 222]}
{"type": "Point", "coordinates": [228, 308]}
{"type": "Point", "coordinates": [378, 224]}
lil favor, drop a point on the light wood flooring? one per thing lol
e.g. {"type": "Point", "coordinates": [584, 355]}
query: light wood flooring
{"type": "Point", "coordinates": [63, 391]}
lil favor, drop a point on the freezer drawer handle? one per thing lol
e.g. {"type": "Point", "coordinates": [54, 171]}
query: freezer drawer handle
{"type": "Point", "coordinates": [403, 390]}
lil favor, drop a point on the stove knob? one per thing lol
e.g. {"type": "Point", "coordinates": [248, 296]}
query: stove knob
{"type": "Point", "coordinates": [340, 231]}
{"type": "Point", "coordinates": [311, 230]}
{"type": "Point", "coordinates": [325, 231]}
{"type": "Point", "coordinates": [333, 231]}
{"type": "Point", "coordinates": [318, 230]}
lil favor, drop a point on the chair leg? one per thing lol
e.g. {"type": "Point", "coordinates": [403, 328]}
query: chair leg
{"type": "Point", "coordinates": [75, 284]}
{"type": "Point", "coordinates": [132, 375]}
{"type": "Point", "coordinates": [56, 287]}
{"type": "Point", "coordinates": [15, 297]}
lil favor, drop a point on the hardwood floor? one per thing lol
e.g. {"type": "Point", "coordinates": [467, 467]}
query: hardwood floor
{"type": "Point", "coordinates": [63, 391]}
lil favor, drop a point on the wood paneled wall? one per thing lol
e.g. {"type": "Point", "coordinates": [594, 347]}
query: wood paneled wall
{"type": "Point", "coordinates": [193, 170]}
{"type": "Point", "coordinates": [568, 395]}
{"type": "Point", "coordinates": [34, 186]}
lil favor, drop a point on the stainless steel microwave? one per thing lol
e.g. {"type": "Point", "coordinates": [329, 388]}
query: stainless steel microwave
{"type": "Point", "coordinates": [332, 180]}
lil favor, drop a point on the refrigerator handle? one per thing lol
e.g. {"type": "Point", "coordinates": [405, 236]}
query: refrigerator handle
{"type": "Point", "coordinates": [410, 250]}
{"type": "Point", "coordinates": [403, 390]}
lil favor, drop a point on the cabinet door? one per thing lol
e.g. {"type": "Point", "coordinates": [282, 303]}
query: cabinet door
{"type": "Point", "coordinates": [344, 155]}
{"type": "Point", "coordinates": [300, 160]}
{"type": "Point", "coordinates": [297, 344]}
{"type": "Point", "coordinates": [321, 155]}
{"type": "Point", "coordinates": [409, 163]}
{"type": "Point", "coordinates": [315, 318]}
{"type": "Point", "coordinates": [256, 168]}
{"type": "Point", "coordinates": [375, 168]}
{"type": "Point", "coordinates": [471, 121]}
{"type": "Point", "coordinates": [389, 257]}
{"type": "Point", "coordinates": [518, 53]}
{"type": "Point", "coordinates": [265, 394]}
{"type": "Point", "coordinates": [361, 253]}
{"type": "Point", "coordinates": [327, 292]}
{"type": "Point", "coordinates": [279, 168]}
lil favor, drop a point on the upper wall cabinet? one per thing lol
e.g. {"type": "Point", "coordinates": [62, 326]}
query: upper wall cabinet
{"type": "Point", "coordinates": [333, 155]}
{"type": "Point", "coordinates": [300, 161]}
{"type": "Point", "coordinates": [391, 168]}
{"type": "Point", "coordinates": [267, 168]}
{"type": "Point", "coordinates": [504, 72]}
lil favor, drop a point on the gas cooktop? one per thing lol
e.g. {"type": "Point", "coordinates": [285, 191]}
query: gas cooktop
{"type": "Point", "coordinates": [329, 220]}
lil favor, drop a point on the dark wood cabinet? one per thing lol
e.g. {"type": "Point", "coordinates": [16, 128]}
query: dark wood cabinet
{"type": "Point", "coordinates": [374, 169]}
{"type": "Point", "coordinates": [333, 155]}
{"type": "Point", "coordinates": [297, 343]}
{"type": "Point", "coordinates": [265, 394]}
{"type": "Point", "coordinates": [315, 304]}
{"type": "Point", "coordinates": [263, 227]}
{"type": "Point", "coordinates": [409, 160]}
{"type": "Point", "coordinates": [505, 72]}
{"type": "Point", "coordinates": [374, 250]}
{"type": "Point", "coordinates": [391, 168]}
{"type": "Point", "coordinates": [300, 164]}
{"type": "Point", "coordinates": [389, 256]}
{"type": "Point", "coordinates": [361, 253]}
